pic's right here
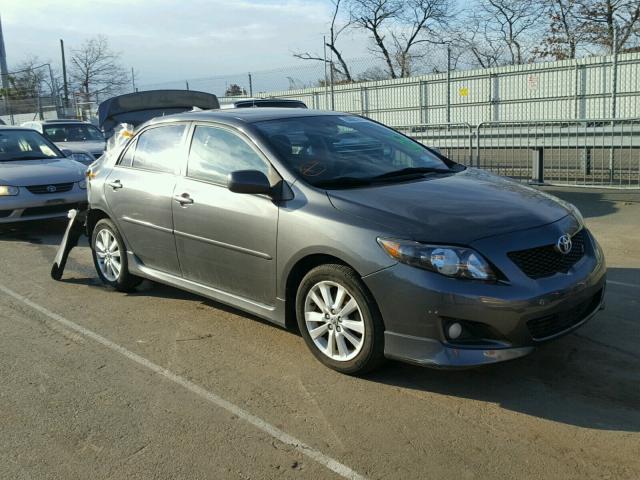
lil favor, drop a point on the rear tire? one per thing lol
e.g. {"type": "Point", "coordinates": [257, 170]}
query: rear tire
{"type": "Point", "coordinates": [110, 257]}
{"type": "Point", "coordinates": [339, 320]}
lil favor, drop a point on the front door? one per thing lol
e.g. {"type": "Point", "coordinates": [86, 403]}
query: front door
{"type": "Point", "coordinates": [139, 192]}
{"type": "Point", "coordinates": [225, 240]}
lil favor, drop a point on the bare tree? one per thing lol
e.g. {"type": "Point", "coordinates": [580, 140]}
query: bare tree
{"type": "Point", "coordinates": [512, 23]}
{"type": "Point", "coordinates": [399, 28]}
{"type": "Point", "coordinates": [473, 38]}
{"type": "Point", "coordinates": [602, 17]}
{"type": "Point", "coordinates": [565, 31]}
{"type": "Point", "coordinates": [334, 33]}
{"type": "Point", "coordinates": [96, 70]}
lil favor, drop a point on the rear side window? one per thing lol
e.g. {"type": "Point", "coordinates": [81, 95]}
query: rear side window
{"type": "Point", "coordinates": [159, 148]}
{"type": "Point", "coordinates": [216, 152]}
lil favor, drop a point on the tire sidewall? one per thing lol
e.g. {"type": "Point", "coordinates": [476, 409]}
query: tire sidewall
{"type": "Point", "coordinates": [371, 351]}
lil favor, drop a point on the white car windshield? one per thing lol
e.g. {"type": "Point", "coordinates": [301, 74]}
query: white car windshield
{"type": "Point", "coordinates": [25, 145]}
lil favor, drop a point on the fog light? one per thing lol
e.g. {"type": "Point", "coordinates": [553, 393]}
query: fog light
{"type": "Point", "coordinates": [454, 330]}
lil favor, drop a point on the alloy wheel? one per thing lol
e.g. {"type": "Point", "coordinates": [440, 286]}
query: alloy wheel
{"type": "Point", "coordinates": [108, 255]}
{"type": "Point", "coordinates": [334, 321]}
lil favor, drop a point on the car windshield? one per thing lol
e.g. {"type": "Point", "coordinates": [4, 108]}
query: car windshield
{"type": "Point", "coordinates": [343, 151]}
{"type": "Point", "coordinates": [25, 145]}
{"type": "Point", "coordinates": [73, 133]}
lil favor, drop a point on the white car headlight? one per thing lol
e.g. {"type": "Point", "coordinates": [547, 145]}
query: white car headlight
{"type": "Point", "coordinates": [81, 157]}
{"type": "Point", "coordinates": [82, 184]}
{"type": "Point", "coordinates": [451, 261]}
{"type": "Point", "coordinates": [8, 191]}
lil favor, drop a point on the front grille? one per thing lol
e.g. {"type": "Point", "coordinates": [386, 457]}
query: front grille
{"type": "Point", "coordinates": [545, 261]}
{"type": "Point", "coordinates": [50, 188]}
{"type": "Point", "coordinates": [551, 325]}
{"type": "Point", "coordinates": [50, 209]}
{"type": "Point", "coordinates": [5, 213]}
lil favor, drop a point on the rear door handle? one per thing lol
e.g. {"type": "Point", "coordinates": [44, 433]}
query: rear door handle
{"type": "Point", "coordinates": [115, 184]}
{"type": "Point", "coordinates": [183, 199]}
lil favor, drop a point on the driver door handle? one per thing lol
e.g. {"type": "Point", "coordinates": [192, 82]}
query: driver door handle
{"type": "Point", "coordinates": [115, 184]}
{"type": "Point", "coordinates": [183, 199]}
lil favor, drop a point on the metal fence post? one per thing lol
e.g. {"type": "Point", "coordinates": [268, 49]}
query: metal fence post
{"type": "Point", "coordinates": [478, 144]}
{"type": "Point", "coordinates": [448, 83]}
{"type": "Point", "coordinates": [614, 92]}
{"type": "Point", "coordinates": [537, 165]}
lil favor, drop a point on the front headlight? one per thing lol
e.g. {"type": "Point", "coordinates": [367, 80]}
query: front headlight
{"type": "Point", "coordinates": [8, 191]}
{"type": "Point", "coordinates": [457, 262]}
{"type": "Point", "coordinates": [82, 184]}
{"type": "Point", "coordinates": [81, 157]}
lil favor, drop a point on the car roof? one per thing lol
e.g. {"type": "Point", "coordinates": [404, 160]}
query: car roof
{"type": "Point", "coordinates": [243, 115]}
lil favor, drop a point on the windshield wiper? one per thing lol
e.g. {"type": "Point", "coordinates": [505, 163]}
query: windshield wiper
{"type": "Point", "coordinates": [339, 182]}
{"type": "Point", "coordinates": [410, 171]}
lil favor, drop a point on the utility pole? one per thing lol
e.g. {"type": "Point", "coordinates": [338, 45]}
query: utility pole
{"type": "Point", "coordinates": [250, 86]}
{"type": "Point", "coordinates": [133, 80]}
{"type": "Point", "coordinates": [187, 84]}
{"type": "Point", "coordinates": [4, 72]}
{"type": "Point", "coordinates": [64, 75]}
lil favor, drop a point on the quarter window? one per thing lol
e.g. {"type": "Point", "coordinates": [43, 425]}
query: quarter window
{"type": "Point", "coordinates": [159, 148]}
{"type": "Point", "coordinates": [216, 152]}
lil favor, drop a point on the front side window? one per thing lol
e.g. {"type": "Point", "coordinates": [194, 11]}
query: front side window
{"type": "Point", "coordinates": [344, 150]}
{"type": "Point", "coordinates": [159, 148]}
{"type": "Point", "coordinates": [216, 152]}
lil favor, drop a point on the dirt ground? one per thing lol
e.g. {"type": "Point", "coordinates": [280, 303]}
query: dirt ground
{"type": "Point", "coordinates": [73, 407]}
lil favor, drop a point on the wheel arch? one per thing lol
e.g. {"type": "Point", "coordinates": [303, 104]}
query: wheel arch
{"type": "Point", "coordinates": [297, 272]}
{"type": "Point", "coordinates": [93, 217]}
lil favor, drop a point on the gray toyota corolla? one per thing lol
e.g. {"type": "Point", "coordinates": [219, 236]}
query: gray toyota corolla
{"type": "Point", "coordinates": [373, 244]}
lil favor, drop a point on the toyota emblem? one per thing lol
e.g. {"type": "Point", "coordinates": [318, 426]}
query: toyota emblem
{"type": "Point", "coordinates": [51, 188]}
{"type": "Point", "coordinates": [564, 244]}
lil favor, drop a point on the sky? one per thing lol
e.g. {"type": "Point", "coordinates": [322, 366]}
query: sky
{"type": "Point", "coordinates": [167, 40]}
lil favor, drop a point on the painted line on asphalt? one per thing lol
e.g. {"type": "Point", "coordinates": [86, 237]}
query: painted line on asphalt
{"type": "Point", "coordinates": [624, 284]}
{"type": "Point", "coordinates": [316, 455]}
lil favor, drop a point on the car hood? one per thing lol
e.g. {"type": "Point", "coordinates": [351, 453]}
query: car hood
{"type": "Point", "coordinates": [91, 147]}
{"type": "Point", "coordinates": [40, 172]}
{"type": "Point", "coordinates": [456, 208]}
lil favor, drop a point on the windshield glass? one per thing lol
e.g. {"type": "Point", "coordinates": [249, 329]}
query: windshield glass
{"type": "Point", "coordinates": [73, 133]}
{"type": "Point", "coordinates": [25, 145]}
{"type": "Point", "coordinates": [339, 151]}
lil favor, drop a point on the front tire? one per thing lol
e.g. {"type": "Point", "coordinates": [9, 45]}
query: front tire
{"type": "Point", "coordinates": [110, 257]}
{"type": "Point", "coordinates": [339, 320]}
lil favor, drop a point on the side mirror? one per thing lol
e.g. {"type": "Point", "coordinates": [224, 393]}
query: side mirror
{"type": "Point", "coordinates": [249, 181]}
{"type": "Point", "coordinates": [66, 152]}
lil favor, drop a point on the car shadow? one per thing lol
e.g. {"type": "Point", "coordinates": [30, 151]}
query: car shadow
{"type": "Point", "coordinates": [590, 378]}
{"type": "Point", "coordinates": [37, 232]}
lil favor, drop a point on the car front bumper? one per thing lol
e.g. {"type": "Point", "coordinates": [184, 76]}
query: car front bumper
{"type": "Point", "coordinates": [416, 305]}
{"type": "Point", "coordinates": [28, 206]}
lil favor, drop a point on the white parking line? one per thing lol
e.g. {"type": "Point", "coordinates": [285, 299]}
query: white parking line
{"type": "Point", "coordinates": [624, 284]}
{"type": "Point", "coordinates": [257, 422]}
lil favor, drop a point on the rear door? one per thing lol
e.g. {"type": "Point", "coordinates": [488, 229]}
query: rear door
{"type": "Point", "coordinates": [226, 240]}
{"type": "Point", "coordinates": [139, 192]}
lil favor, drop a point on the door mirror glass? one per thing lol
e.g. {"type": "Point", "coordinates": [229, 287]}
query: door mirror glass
{"type": "Point", "coordinates": [249, 181]}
